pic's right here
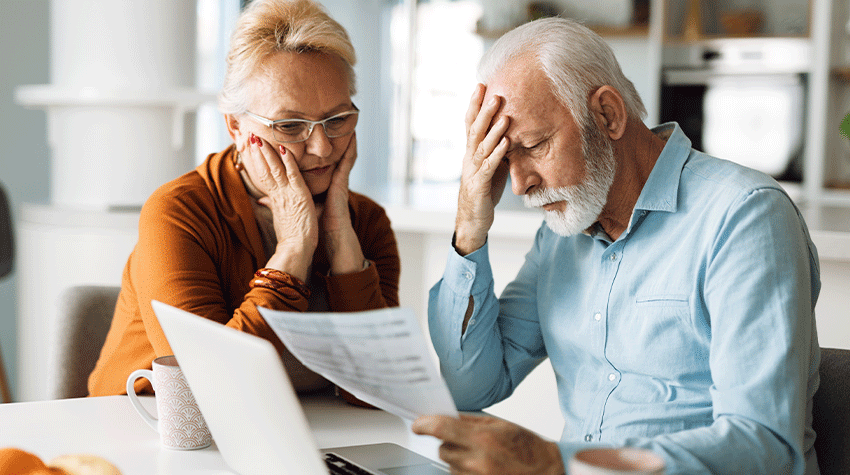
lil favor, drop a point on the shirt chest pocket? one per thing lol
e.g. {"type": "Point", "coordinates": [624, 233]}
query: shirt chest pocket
{"type": "Point", "coordinates": [672, 301]}
{"type": "Point", "coordinates": [660, 317]}
{"type": "Point", "coordinates": [656, 308]}
{"type": "Point", "coordinates": [659, 332]}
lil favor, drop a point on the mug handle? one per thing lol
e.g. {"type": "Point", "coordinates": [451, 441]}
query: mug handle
{"type": "Point", "coordinates": [134, 399]}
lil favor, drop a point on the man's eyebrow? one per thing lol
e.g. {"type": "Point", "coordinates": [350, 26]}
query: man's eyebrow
{"type": "Point", "coordinates": [515, 145]}
{"type": "Point", "coordinates": [534, 136]}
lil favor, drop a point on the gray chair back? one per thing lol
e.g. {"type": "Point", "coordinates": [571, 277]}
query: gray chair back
{"type": "Point", "coordinates": [7, 251]}
{"type": "Point", "coordinates": [7, 248]}
{"type": "Point", "coordinates": [831, 413]}
{"type": "Point", "coordinates": [85, 315]}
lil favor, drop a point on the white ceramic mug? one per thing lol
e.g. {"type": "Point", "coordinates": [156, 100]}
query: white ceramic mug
{"type": "Point", "coordinates": [180, 425]}
{"type": "Point", "coordinates": [616, 461]}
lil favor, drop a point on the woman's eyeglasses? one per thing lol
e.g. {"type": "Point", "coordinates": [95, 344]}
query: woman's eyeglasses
{"type": "Point", "coordinates": [299, 130]}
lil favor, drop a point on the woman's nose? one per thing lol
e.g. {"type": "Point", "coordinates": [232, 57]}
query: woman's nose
{"type": "Point", "coordinates": [318, 143]}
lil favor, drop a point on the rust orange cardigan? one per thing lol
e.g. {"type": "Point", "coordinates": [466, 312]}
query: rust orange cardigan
{"type": "Point", "coordinates": [199, 245]}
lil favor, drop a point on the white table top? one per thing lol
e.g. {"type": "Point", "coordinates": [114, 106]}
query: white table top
{"type": "Point", "coordinates": [109, 427]}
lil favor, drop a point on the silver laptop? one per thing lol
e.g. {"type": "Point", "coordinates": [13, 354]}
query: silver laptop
{"type": "Point", "coordinates": [253, 413]}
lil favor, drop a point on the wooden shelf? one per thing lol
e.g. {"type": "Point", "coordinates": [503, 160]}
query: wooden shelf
{"type": "Point", "coordinates": [628, 31]}
{"type": "Point", "coordinates": [679, 39]}
{"type": "Point", "coordinates": [838, 185]}
{"type": "Point", "coordinates": [842, 73]}
{"type": "Point", "coordinates": [631, 31]}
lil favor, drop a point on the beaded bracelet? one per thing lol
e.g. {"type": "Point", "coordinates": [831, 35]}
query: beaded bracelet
{"type": "Point", "coordinates": [280, 282]}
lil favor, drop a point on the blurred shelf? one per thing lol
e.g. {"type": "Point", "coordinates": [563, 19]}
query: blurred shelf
{"type": "Point", "coordinates": [842, 74]}
{"type": "Point", "coordinates": [630, 31]}
{"type": "Point", "coordinates": [492, 34]}
{"type": "Point", "coordinates": [627, 31]}
{"type": "Point", "coordinates": [678, 39]}
{"type": "Point", "coordinates": [841, 187]}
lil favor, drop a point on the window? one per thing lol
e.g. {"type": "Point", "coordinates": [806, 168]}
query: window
{"type": "Point", "coordinates": [434, 53]}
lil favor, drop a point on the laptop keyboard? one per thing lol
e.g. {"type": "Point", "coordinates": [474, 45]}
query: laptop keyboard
{"type": "Point", "coordinates": [340, 466]}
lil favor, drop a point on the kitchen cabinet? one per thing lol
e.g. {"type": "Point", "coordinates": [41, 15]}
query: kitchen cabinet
{"type": "Point", "coordinates": [821, 27]}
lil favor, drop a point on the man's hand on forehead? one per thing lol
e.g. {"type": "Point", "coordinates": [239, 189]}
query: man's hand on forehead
{"type": "Point", "coordinates": [484, 173]}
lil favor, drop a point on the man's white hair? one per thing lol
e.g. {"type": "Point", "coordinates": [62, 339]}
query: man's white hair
{"type": "Point", "coordinates": [576, 61]}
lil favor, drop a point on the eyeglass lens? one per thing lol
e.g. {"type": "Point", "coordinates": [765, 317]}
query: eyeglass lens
{"type": "Point", "coordinates": [299, 130]}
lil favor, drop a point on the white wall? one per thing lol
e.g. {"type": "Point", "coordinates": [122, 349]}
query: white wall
{"type": "Point", "coordinates": [24, 159]}
{"type": "Point", "coordinates": [832, 312]}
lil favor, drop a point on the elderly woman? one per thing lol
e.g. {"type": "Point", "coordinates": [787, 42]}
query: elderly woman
{"type": "Point", "coordinates": [270, 220]}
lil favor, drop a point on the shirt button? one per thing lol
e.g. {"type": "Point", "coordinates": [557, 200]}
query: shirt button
{"type": "Point", "coordinates": [468, 275]}
{"type": "Point", "coordinates": [588, 438]}
{"type": "Point", "coordinates": [472, 321]}
{"type": "Point", "coordinates": [597, 316]}
{"type": "Point", "coordinates": [613, 256]}
{"type": "Point", "coordinates": [612, 377]}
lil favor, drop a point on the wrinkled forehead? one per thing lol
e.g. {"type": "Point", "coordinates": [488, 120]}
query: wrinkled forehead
{"type": "Point", "coordinates": [515, 81]}
{"type": "Point", "coordinates": [527, 94]}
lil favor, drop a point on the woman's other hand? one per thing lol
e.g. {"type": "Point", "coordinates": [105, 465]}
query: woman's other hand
{"type": "Point", "coordinates": [334, 214]}
{"type": "Point", "coordinates": [341, 242]}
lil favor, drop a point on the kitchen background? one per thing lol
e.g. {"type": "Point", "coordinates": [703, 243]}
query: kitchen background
{"type": "Point", "coordinates": [100, 102]}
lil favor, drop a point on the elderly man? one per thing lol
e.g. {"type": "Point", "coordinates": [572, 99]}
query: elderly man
{"type": "Point", "coordinates": [672, 291]}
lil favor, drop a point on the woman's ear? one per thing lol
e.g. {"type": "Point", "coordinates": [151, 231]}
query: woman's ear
{"type": "Point", "coordinates": [608, 107]}
{"type": "Point", "coordinates": [233, 128]}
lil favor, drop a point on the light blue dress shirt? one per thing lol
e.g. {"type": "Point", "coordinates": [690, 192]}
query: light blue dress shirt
{"type": "Point", "coordinates": [693, 334]}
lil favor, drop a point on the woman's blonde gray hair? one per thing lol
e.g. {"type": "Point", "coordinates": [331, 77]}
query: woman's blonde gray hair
{"type": "Point", "coordinates": [267, 27]}
{"type": "Point", "coordinates": [576, 61]}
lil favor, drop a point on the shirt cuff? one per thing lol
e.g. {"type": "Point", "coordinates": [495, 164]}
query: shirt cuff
{"type": "Point", "coordinates": [470, 274]}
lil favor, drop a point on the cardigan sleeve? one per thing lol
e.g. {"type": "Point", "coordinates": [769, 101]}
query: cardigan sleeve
{"type": "Point", "coordinates": [376, 286]}
{"type": "Point", "coordinates": [179, 260]}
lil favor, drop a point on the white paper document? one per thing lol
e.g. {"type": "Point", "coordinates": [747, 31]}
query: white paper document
{"type": "Point", "coordinates": [379, 356]}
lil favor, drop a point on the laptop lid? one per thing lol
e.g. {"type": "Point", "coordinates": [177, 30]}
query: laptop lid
{"type": "Point", "coordinates": [254, 415]}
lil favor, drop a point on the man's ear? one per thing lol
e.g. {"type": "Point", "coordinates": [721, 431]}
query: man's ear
{"type": "Point", "coordinates": [609, 109]}
{"type": "Point", "coordinates": [232, 123]}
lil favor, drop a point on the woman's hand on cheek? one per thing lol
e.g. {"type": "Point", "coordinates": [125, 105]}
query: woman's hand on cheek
{"type": "Point", "coordinates": [341, 242]}
{"type": "Point", "coordinates": [335, 215]}
{"type": "Point", "coordinates": [293, 212]}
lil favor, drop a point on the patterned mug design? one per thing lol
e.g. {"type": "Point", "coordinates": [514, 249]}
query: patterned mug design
{"type": "Point", "coordinates": [181, 424]}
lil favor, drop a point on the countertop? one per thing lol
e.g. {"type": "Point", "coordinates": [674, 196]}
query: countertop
{"type": "Point", "coordinates": [829, 226]}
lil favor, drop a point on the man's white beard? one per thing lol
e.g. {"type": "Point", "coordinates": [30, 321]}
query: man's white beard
{"type": "Point", "coordinates": [585, 201]}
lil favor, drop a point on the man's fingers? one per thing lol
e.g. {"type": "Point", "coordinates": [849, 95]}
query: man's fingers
{"type": "Point", "coordinates": [481, 126]}
{"type": "Point", "coordinates": [461, 460]}
{"type": "Point", "coordinates": [494, 159]}
{"type": "Point", "coordinates": [474, 105]}
{"type": "Point", "coordinates": [493, 169]}
{"type": "Point", "coordinates": [469, 418]}
{"type": "Point", "coordinates": [487, 147]}
{"type": "Point", "coordinates": [435, 426]}
{"type": "Point", "coordinates": [445, 428]}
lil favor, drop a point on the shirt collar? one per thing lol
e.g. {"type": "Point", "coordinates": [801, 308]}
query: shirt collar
{"type": "Point", "coordinates": [660, 193]}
